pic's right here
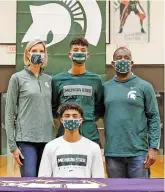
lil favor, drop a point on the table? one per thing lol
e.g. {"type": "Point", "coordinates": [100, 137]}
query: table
{"type": "Point", "coordinates": [89, 185]}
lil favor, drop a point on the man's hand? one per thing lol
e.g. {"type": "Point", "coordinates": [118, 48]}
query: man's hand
{"type": "Point", "coordinates": [150, 158]}
{"type": "Point", "coordinates": [17, 154]}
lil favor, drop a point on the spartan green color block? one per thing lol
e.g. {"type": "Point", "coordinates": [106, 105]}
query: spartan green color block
{"type": "Point", "coordinates": [58, 22]}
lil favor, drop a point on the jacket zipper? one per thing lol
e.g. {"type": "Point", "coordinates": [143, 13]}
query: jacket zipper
{"type": "Point", "coordinates": [39, 84]}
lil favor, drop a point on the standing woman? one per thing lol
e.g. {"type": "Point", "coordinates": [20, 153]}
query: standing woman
{"type": "Point", "coordinates": [28, 103]}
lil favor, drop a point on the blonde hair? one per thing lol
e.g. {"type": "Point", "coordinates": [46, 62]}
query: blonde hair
{"type": "Point", "coordinates": [29, 46]}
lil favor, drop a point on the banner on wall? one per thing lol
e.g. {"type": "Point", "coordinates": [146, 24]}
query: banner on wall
{"type": "Point", "coordinates": [57, 23]}
{"type": "Point", "coordinates": [130, 21]}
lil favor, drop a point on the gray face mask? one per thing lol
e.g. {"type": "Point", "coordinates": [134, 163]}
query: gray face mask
{"type": "Point", "coordinates": [37, 58]}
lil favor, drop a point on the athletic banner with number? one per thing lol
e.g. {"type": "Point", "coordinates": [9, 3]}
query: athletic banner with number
{"type": "Point", "coordinates": [57, 23]}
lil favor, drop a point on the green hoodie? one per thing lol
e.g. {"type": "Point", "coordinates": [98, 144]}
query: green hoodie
{"type": "Point", "coordinates": [85, 90]}
{"type": "Point", "coordinates": [132, 122]}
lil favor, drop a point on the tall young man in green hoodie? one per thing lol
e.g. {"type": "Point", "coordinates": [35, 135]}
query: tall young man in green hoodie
{"type": "Point", "coordinates": [132, 122]}
{"type": "Point", "coordinates": [77, 85]}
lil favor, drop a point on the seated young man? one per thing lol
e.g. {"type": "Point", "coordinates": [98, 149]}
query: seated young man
{"type": "Point", "coordinates": [71, 155]}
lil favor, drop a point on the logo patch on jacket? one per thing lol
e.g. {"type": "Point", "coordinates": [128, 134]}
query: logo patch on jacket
{"type": "Point", "coordinates": [131, 95]}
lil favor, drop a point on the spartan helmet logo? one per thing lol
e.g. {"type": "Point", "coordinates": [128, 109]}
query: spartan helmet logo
{"type": "Point", "coordinates": [131, 95]}
{"type": "Point", "coordinates": [58, 17]}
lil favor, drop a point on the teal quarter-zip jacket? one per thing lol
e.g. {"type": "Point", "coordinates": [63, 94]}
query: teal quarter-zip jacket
{"type": "Point", "coordinates": [29, 100]}
{"type": "Point", "coordinates": [132, 122]}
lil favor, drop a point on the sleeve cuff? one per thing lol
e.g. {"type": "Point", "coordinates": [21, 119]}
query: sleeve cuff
{"type": "Point", "coordinates": [153, 147]}
{"type": "Point", "coordinates": [13, 148]}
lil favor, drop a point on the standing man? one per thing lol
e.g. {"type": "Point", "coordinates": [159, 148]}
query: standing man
{"type": "Point", "coordinates": [82, 87]}
{"type": "Point", "coordinates": [71, 155]}
{"type": "Point", "coordinates": [132, 122]}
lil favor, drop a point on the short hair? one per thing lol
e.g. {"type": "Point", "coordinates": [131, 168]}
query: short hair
{"type": "Point", "coordinates": [79, 41]}
{"type": "Point", "coordinates": [68, 106]}
{"type": "Point", "coordinates": [28, 48]}
{"type": "Point", "coordinates": [121, 48]}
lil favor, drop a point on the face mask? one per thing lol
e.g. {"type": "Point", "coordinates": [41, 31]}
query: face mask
{"type": "Point", "coordinates": [79, 57]}
{"type": "Point", "coordinates": [122, 66]}
{"type": "Point", "coordinates": [37, 58]}
{"type": "Point", "coordinates": [71, 124]}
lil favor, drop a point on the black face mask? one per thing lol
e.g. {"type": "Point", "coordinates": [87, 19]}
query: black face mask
{"type": "Point", "coordinates": [37, 58]}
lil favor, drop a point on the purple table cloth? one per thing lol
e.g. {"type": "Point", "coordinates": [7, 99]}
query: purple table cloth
{"type": "Point", "coordinates": [110, 185]}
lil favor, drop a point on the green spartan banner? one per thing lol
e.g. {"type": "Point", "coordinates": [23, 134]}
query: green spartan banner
{"type": "Point", "coordinates": [57, 23]}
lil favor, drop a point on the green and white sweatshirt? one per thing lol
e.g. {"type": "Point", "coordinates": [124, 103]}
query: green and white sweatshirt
{"type": "Point", "coordinates": [85, 90]}
{"type": "Point", "coordinates": [132, 122]}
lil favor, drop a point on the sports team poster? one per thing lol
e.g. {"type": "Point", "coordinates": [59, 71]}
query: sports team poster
{"type": "Point", "coordinates": [130, 21]}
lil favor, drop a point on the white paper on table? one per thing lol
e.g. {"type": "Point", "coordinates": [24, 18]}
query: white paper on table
{"type": "Point", "coordinates": [82, 186]}
{"type": "Point", "coordinates": [41, 185]}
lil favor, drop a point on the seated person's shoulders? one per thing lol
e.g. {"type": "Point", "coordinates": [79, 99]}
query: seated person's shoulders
{"type": "Point", "coordinates": [54, 143]}
{"type": "Point", "coordinates": [91, 144]}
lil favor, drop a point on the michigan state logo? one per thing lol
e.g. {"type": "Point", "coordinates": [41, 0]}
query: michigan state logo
{"type": "Point", "coordinates": [58, 18]}
{"type": "Point", "coordinates": [131, 95]}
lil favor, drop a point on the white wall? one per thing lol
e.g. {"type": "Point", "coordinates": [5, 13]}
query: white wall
{"type": "Point", "coordinates": [7, 31]}
{"type": "Point", "coordinates": [7, 55]}
{"type": "Point", "coordinates": [152, 52]}
{"type": "Point", "coordinates": [7, 21]}
{"type": "Point", "coordinates": [149, 53]}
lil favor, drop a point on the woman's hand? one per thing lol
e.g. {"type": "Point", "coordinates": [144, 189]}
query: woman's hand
{"type": "Point", "coordinates": [17, 154]}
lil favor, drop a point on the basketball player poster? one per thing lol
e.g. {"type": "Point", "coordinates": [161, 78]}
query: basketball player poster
{"type": "Point", "coordinates": [130, 21]}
